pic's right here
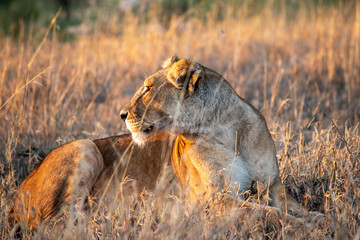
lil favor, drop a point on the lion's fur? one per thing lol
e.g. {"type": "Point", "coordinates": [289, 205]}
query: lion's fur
{"type": "Point", "coordinates": [66, 174]}
{"type": "Point", "coordinates": [72, 171]}
{"type": "Point", "coordinates": [220, 138]}
{"type": "Point", "coordinates": [185, 114]}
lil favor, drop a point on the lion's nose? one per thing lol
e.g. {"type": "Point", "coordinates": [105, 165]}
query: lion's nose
{"type": "Point", "coordinates": [123, 114]}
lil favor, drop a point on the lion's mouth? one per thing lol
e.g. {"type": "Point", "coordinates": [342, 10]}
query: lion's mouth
{"type": "Point", "coordinates": [138, 125]}
{"type": "Point", "coordinates": [141, 132]}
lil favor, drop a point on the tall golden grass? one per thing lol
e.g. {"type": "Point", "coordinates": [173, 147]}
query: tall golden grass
{"type": "Point", "coordinates": [301, 71]}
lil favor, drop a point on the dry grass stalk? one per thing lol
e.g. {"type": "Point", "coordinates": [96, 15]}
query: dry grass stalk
{"type": "Point", "coordinates": [288, 69]}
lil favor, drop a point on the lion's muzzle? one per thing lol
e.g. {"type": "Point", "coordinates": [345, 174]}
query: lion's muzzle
{"type": "Point", "coordinates": [134, 124]}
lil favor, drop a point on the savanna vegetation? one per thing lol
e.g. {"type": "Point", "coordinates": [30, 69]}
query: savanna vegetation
{"type": "Point", "coordinates": [66, 77]}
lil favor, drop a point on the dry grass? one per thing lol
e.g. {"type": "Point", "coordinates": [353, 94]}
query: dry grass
{"type": "Point", "coordinates": [302, 72]}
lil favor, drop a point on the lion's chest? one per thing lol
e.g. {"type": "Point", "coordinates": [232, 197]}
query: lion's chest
{"type": "Point", "coordinates": [225, 168]}
{"type": "Point", "coordinates": [203, 165]}
{"type": "Point", "coordinates": [238, 174]}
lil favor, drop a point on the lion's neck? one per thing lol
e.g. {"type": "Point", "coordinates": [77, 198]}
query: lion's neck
{"type": "Point", "coordinates": [220, 119]}
{"type": "Point", "coordinates": [219, 116]}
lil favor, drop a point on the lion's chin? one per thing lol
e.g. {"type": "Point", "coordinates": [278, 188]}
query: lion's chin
{"type": "Point", "coordinates": [140, 138]}
{"type": "Point", "coordinates": [152, 132]}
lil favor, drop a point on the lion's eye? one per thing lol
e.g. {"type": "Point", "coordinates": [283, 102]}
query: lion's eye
{"type": "Point", "coordinates": [147, 88]}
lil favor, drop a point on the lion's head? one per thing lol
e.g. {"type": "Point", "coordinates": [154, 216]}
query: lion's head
{"type": "Point", "coordinates": [174, 100]}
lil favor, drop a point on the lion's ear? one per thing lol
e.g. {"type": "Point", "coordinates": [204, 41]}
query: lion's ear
{"type": "Point", "coordinates": [185, 72]}
{"type": "Point", "coordinates": [170, 61]}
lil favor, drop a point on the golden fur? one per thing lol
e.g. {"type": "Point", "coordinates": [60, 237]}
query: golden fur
{"type": "Point", "coordinates": [220, 139]}
{"type": "Point", "coordinates": [185, 114]}
{"type": "Point", "coordinates": [72, 171]}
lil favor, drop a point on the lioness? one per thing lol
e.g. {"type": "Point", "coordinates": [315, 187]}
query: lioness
{"type": "Point", "coordinates": [220, 138]}
{"type": "Point", "coordinates": [185, 114]}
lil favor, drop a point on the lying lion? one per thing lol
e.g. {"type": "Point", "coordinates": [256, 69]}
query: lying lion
{"type": "Point", "coordinates": [184, 114]}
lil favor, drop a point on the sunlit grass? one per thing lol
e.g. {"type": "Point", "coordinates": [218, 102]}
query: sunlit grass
{"type": "Point", "coordinates": [303, 74]}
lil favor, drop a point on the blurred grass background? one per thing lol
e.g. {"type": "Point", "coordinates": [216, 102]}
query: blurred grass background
{"type": "Point", "coordinates": [15, 13]}
{"type": "Point", "coordinates": [296, 61]}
